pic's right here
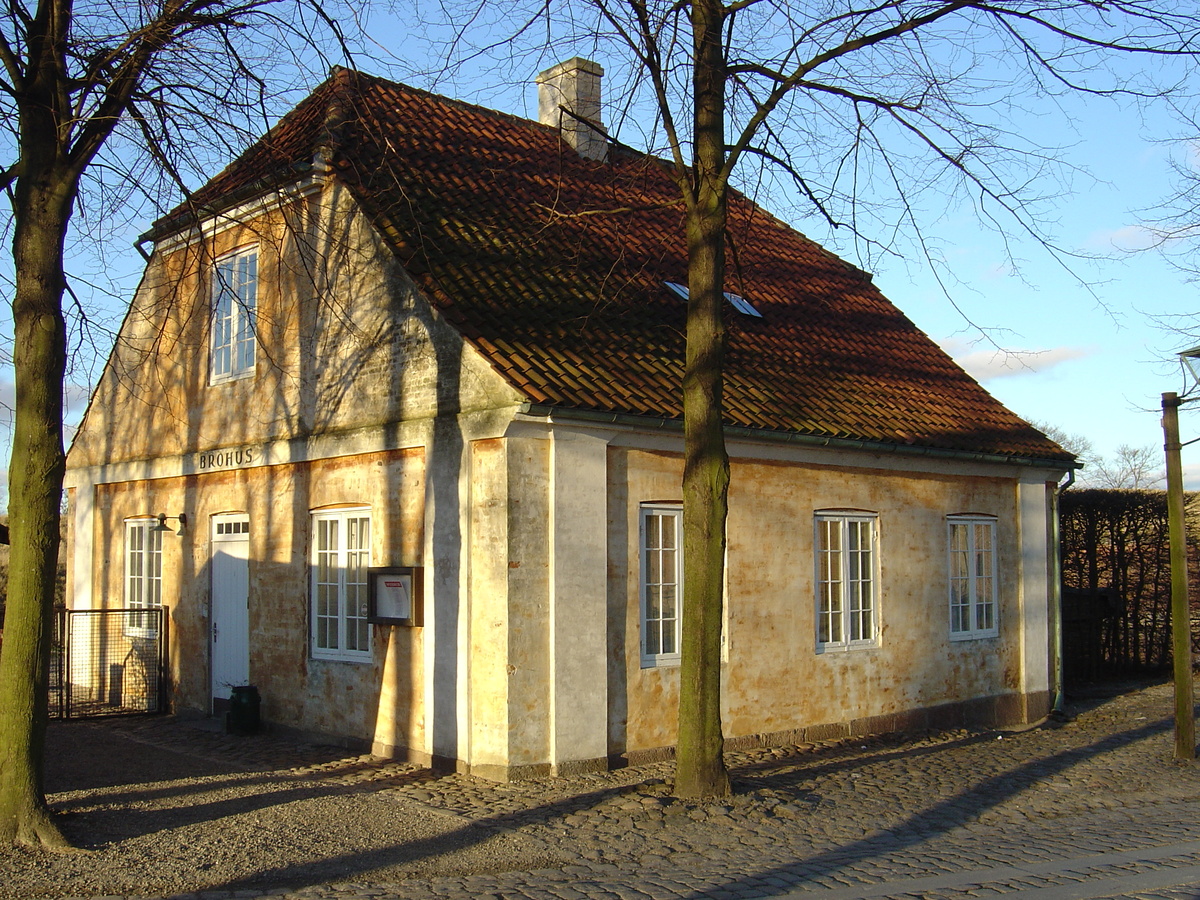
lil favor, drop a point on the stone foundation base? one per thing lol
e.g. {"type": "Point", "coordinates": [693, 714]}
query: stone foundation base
{"type": "Point", "coordinates": [1004, 711]}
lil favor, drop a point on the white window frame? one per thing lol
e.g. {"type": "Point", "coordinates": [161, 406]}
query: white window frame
{"type": "Point", "coordinates": [842, 620]}
{"type": "Point", "coordinates": [660, 573]}
{"type": "Point", "coordinates": [971, 574]}
{"type": "Point", "coordinates": [143, 574]}
{"type": "Point", "coordinates": [233, 340]}
{"type": "Point", "coordinates": [338, 580]}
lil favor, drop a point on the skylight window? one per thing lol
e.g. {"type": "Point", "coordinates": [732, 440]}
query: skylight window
{"type": "Point", "coordinates": [741, 304]}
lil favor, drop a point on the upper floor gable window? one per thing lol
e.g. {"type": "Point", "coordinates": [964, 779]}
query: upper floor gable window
{"type": "Point", "coordinates": [234, 313]}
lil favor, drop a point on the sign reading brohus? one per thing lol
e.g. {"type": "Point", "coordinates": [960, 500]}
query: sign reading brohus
{"type": "Point", "coordinates": [226, 459]}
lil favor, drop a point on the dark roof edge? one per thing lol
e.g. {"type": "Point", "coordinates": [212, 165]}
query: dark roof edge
{"type": "Point", "coordinates": [596, 417]}
{"type": "Point", "coordinates": [188, 217]}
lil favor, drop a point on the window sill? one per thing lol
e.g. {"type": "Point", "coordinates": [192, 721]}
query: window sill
{"type": "Point", "coordinates": [847, 648]}
{"type": "Point", "coordinates": [973, 635]}
{"type": "Point", "coordinates": [361, 658]}
{"type": "Point", "coordinates": [225, 379]}
{"type": "Point", "coordinates": [661, 662]}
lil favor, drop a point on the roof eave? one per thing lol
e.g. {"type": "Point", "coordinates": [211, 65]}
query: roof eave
{"type": "Point", "coordinates": [187, 217]}
{"type": "Point", "coordinates": [662, 424]}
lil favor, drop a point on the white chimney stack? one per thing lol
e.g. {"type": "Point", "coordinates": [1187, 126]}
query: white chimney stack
{"type": "Point", "coordinates": [567, 93]}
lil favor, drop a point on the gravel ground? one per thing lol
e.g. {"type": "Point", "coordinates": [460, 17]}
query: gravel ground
{"type": "Point", "coordinates": [161, 807]}
{"type": "Point", "coordinates": [160, 813]}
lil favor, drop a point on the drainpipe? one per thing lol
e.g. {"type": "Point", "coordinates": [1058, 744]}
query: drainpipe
{"type": "Point", "coordinates": [1058, 711]}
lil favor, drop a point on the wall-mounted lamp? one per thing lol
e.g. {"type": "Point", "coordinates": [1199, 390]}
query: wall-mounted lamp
{"type": "Point", "coordinates": [1191, 361]}
{"type": "Point", "coordinates": [181, 519]}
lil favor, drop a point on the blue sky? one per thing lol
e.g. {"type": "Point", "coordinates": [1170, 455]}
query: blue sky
{"type": "Point", "coordinates": [1085, 350]}
{"type": "Point", "coordinates": [1091, 359]}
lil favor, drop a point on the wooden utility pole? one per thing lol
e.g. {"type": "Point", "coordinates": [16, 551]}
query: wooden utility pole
{"type": "Point", "coordinates": [1181, 620]}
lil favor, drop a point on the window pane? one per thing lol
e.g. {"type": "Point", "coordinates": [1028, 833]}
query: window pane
{"type": "Point", "coordinates": [653, 643]}
{"type": "Point", "coordinates": [653, 602]}
{"type": "Point", "coordinates": [985, 611]}
{"type": "Point", "coordinates": [983, 536]}
{"type": "Point", "coordinates": [653, 566]}
{"type": "Point", "coordinates": [668, 601]}
{"type": "Point", "coordinates": [668, 636]}
{"type": "Point", "coordinates": [669, 566]}
{"type": "Point", "coordinates": [958, 538]}
{"type": "Point", "coordinates": [653, 530]}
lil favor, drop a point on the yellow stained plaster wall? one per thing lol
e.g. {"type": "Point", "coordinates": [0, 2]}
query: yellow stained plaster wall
{"type": "Point", "coordinates": [774, 680]}
{"type": "Point", "coordinates": [488, 617]}
{"type": "Point", "coordinates": [380, 701]}
{"type": "Point", "coordinates": [529, 602]}
{"type": "Point", "coordinates": [509, 625]}
{"type": "Point", "coordinates": [349, 346]}
{"type": "Point", "coordinates": [345, 342]}
{"type": "Point", "coordinates": [350, 354]}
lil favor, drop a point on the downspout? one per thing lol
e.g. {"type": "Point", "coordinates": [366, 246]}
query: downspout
{"type": "Point", "coordinates": [1058, 711]}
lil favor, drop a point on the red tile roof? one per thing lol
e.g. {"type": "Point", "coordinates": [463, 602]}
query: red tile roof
{"type": "Point", "coordinates": [552, 266]}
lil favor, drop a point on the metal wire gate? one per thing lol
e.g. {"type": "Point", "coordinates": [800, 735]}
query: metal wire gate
{"type": "Point", "coordinates": [108, 662]}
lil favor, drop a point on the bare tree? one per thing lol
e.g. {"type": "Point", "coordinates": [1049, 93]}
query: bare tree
{"type": "Point", "coordinates": [1078, 444]}
{"type": "Point", "coordinates": [868, 113]}
{"type": "Point", "coordinates": [99, 101]}
{"type": "Point", "coordinates": [1130, 468]}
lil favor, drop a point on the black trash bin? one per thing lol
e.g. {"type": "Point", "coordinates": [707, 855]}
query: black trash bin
{"type": "Point", "coordinates": [242, 717]}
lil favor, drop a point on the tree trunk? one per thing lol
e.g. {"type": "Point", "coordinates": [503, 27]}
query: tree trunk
{"type": "Point", "coordinates": [43, 201]}
{"type": "Point", "coordinates": [700, 771]}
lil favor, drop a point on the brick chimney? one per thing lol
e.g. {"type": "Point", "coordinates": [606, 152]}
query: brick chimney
{"type": "Point", "coordinates": [574, 87]}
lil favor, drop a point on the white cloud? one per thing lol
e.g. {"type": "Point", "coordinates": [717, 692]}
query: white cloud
{"type": "Point", "coordinates": [987, 364]}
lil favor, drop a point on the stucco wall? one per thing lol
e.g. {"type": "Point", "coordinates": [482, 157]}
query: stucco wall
{"type": "Point", "coordinates": [529, 659]}
{"type": "Point", "coordinates": [361, 394]}
{"type": "Point", "coordinates": [380, 701]}
{"type": "Point", "coordinates": [774, 679]}
{"type": "Point", "coordinates": [345, 342]}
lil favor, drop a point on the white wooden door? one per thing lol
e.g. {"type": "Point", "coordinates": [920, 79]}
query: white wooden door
{"type": "Point", "coordinates": [230, 626]}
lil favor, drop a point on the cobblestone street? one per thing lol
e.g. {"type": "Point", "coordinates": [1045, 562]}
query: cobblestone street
{"type": "Point", "coordinates": [1091, 808]}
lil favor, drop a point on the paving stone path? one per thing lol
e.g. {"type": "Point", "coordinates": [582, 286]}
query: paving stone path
{"type": "Point", "coordinates": [1091, 808]}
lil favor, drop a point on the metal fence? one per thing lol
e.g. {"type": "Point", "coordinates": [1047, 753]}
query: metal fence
{"type": "Point", "coordinates": [108, 662]}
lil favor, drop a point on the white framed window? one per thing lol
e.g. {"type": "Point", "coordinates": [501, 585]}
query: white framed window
{"type": "Point", "coordinates": [971, 549]}
{"type": "Point", "coordinates": [847, 580]}
{"type": "Point", "coordinates": [661, 583]}
{"type": "Point", "coordinates": [143, 574]}
{"type": "Point", "coordinates": [234, 316]}
{"type": "Point", "coordinates": [341, 553]}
